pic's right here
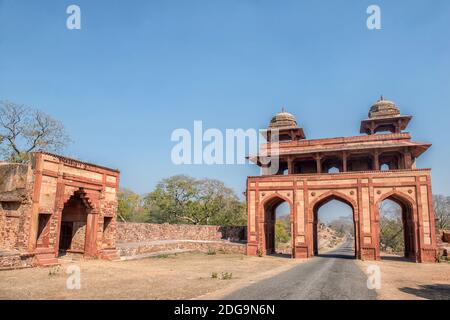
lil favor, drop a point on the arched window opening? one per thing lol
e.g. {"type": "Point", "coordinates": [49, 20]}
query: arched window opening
{"type": "Point", "coordinates": [332, 165]}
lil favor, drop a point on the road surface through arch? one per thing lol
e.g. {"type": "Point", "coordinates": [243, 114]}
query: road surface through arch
{"type": "Point", "coordinates": [330, 276]}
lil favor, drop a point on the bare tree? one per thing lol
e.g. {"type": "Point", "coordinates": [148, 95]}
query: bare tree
{"type": "Point", "coordinates": [442, 211]}
{"type": "Point", "coordinates": [24, 130]}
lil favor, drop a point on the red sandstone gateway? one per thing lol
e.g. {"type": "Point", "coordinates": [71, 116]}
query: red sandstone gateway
{"type": "Point", "coordinates": [361, 171]}
{"type": "Point", "coordinates": [56, 205]}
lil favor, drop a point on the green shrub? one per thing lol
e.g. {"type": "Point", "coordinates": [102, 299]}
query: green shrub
{"type": "Point", "coordinates": [226, 275]}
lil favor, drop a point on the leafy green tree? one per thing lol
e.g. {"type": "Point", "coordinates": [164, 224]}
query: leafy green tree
{"type": "Point", "coordinates": [391, 228]}
{"type": "Point", "coordinates": [130, 207]}
{"type": "Point", "coordinates": [282, 232]}
{"type": "Point", "coordinates": [183, 199]}
{"type": "Point", "coordinates": [173, 200]}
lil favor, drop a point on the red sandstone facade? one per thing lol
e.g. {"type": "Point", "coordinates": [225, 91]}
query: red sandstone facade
{"type": "Point", "coordinates": [56, 205]}
{"type": "Point", "coordinates": [361, 171]}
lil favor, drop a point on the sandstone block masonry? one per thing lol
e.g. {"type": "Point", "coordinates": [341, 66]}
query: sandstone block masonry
{"type": "Point", "coordinates": [141, 239]}
{"type": "Point", "coordinates": [360, 171]}
{"type": "Point", "coordinates": [55, 205]}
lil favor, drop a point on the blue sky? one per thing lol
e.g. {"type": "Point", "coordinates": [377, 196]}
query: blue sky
{"type": "Point", "coordinates": [137, 70]}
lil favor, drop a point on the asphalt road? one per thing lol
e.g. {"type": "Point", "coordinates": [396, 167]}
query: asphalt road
{"type": "Point", "coordinates": [330, 276]}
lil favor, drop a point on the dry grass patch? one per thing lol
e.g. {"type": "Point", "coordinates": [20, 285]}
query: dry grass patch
{"type": "Point", "coordinates": [409, 281]}
{"type": "Point", "coordinates": [182, 276]}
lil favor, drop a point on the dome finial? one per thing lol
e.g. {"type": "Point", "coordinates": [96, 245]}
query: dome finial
{"type": "Point", "coordinates": [383, 108]}
{"type": "Point", "coordinates": [283, 119]}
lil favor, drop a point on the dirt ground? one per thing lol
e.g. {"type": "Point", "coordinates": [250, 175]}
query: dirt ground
{"type": "Point", "coordinates": [184, 276]}
{"type": "Point", "coordinates": [189, 276]}
{"type": "Point", "coordinates": [405, 280]}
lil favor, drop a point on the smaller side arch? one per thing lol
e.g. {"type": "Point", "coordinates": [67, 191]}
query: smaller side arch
{"type": "Point", "coordinates": [411, 232]}
{"type": "Point", "coordinates": [399, 196]}
{"type": "Point", "coordinates": [268, 218]}
{"type": "Point", "coordinates": [273, 198]}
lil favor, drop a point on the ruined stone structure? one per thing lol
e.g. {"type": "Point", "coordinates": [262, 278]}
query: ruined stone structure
{"type": "Point", "coordinates": [361, 171]}
{"type": "Point", "coordinates": [56, 205]}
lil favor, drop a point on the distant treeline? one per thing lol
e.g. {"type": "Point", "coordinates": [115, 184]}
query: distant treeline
{"type": "Point", "coordinates": [183, 199]}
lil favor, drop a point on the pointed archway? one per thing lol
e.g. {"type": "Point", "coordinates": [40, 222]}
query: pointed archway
{"type": "Point", "coordinates": [350, 235]}
{"type": "Point", "coordinates": [74, 228]}
{"type": "Point", "coordinates": [397, 227]}
{"type": "Point", "coordinates": [272, 229]}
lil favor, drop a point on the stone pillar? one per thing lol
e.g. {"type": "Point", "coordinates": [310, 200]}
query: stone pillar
{"type": "Point", "coordinates": [376, 160]}
{"type": "Point", "coordinates": [318, 163]}
{"type": "Point", "coordinates": [372, 128]}
{"type": "Point", "coordinates": [407, 159]}
{"type": "Point", "coordinates": [344, 161]}
{"type": "Point", "coordinates": [290, 163]}
{"type": "Point", "coordinates": [398, 126]}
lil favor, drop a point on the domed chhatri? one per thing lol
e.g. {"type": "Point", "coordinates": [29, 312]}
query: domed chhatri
{"type": "Point", "coordinates": [383, 109]}
{"type": "Point", "coordinates": [384, 116]}
{"type": "Point", "coordinates": [283, 119]}
{"type": "Point", "coordinates": [283, 127]}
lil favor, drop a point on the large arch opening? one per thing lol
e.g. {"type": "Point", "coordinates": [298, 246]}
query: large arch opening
{"type": "Point", "coordinates": [397, 235]}
{"type": "Point", "coordinates": [277, 227]}
{"type": "Point", "coordinates": [72, 236]}
{"type": "Point", "coordinates": [334, 228]}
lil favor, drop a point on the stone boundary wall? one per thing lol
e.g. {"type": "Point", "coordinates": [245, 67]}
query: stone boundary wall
{"type": "Point", "coordinates": [14, 260]}
{"type": "Point", "coordinates": [143, 232]}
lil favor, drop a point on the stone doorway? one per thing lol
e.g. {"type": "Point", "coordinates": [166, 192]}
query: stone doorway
{"type": "Point", "coordinates": [74, 225]}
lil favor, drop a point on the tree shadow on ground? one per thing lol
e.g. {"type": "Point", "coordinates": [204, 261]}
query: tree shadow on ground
{"type": "Point", "coordinates": [280, 255]}
{"type": "Point", "coordinates": [396, 258]}
{"type": "Point", "coordinates": [430, 291]}
{"type": "Point", "coordinates": [336, 255]}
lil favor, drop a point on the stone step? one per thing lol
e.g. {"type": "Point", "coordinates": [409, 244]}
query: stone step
{"type": "Point", "coordinates": [45, 260]}
{"type": "Point", "coordinates": [110, 254]}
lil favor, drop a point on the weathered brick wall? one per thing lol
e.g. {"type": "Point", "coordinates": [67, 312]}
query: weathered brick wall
{"type": "Point", "coordinates": [10, 260]}
{"type": "Point", "coordinates": [15, 203]}
{"type": "Point", "coordinates": [137, 232]}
